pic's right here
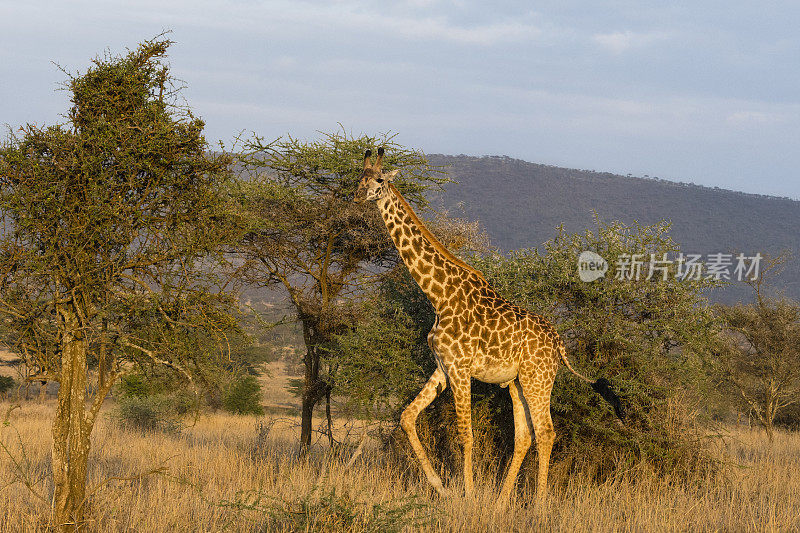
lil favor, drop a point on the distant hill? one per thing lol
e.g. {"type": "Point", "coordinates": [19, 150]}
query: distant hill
{"type": "Point", "coordinates": [520, 204]}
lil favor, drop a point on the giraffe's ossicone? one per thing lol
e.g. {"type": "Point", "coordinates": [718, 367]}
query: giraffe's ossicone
{"type": "Point", "coordinates": [477, 334]}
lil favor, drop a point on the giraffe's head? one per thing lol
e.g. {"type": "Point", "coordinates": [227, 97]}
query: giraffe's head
{"type": "Point", "coordinates": [374, 183]}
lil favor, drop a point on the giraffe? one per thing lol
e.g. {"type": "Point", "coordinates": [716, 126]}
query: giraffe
{"type": "Point", "coordinates": [476, 334]}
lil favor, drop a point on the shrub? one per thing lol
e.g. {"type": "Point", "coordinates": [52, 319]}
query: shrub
{"type": "Point", "coordinates": [134, 385]}
{"type": "Point", "coordinates": [789, 418]}
{"type": "Point", "coordinates": [243, 396]}
{"type": "Point", "coordinates": [329, 510]}
{"type": "Point", "coordinates": [150, 413]}
{"type": "Point", "coordinates": [6, 384]}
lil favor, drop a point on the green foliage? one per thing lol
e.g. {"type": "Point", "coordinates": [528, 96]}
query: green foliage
{"type": "Point", "coordinates": [646, 336]}
{"type": "Point", "coordinates": [110, 251]}
{"type": "Point", "coordinates": [329, 510]}
{"type": "Point", "coordinates": [376, 368]}
{"type": "Point", "coordinates": [243, 396]}
{"type": "Point", "coordinates": [134, 385]}
{"type": "Point", "coordinates": [6, 384]}
{"type": "Point", "coordinates": [152, 402]}
{"type": "Point", "coordinates": [789, 417]}
{"type": "Point", "coordinates": [159, 412]}
{"type": "Point", "coordinates": [114, 217]}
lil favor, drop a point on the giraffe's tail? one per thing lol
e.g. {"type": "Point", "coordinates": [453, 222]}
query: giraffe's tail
{"type": "Point", "coordinates": [601, 386]}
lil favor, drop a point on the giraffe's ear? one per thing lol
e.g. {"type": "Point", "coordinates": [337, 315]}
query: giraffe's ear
{"type": "Point", "coordinates": [389, 176]}
{"type": "Point", "coordinates": [379, 161]}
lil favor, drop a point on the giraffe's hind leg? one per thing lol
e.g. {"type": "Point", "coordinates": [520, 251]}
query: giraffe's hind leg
{"type": "Point", "coordinates": [522, 439]}
{"type": "Point", "coordinates": [537, 396]}
{"type": "Point", "coordinates": [462, 394]}
{"type": "Point", "coordinates": [408, 420]}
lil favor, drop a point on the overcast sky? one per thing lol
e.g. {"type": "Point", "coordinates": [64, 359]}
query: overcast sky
{"type": "Point", "coordinates": [707, 92]}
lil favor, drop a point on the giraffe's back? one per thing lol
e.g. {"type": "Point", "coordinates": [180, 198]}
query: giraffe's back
{"type": "Point", "coordinates": [498, 338]}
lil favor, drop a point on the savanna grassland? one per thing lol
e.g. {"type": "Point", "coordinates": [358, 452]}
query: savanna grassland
{"type": "Point", "coordinates": [241, 473]}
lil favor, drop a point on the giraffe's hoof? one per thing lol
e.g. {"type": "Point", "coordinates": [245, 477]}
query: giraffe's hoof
{"type": "Point", "coordinates": [501, 505]}
{"type": "Point", "coordinates": [440, 490]}
{"type": "Point", "coordinates": [541, 504]}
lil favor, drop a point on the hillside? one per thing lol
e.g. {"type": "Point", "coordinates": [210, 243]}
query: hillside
{"type": "Point", "coordinates": [520, 204]}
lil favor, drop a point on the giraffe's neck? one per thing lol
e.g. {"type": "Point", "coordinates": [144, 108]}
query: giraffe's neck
{"type": "Point", "coordinates": [431, 265]}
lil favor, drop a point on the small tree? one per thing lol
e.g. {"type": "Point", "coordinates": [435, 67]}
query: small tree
{"type": "Point", "coordinates": [243, 396]}
{"type": "Point", "coordinates": [304, 233]}
{"type": "Point", "coordinates": [758, 358]}
{"type": "Point", "coordinates": [109, 220]}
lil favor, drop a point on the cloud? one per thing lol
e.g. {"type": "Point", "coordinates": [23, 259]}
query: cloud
{"type": "Point", "coordinates": [564, 80]}
{"type": "Point", "coordinates": [748, 118]}
{"type": "Point", "coordinates": [441, 29]}
{"type": "Point", "coordinates": [410, 25]}
{"type": "Point", "coordinates": [284, 62]}
{"type": "Point", "coordinates": [619, 42]}
{"type": "Point", "coordinates": [418, 20]}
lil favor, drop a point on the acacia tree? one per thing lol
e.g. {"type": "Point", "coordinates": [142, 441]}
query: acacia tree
{"type": "Point", "coordinates": [304, 233]}
{"type": "Point", "coordinates": [758, 358]}
{"type": "Point", "coordinates": [106, 219]}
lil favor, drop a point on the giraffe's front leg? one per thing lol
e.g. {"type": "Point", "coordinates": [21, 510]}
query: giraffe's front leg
{"type": "Point", "coordinates": [462, 394]}
{"type": "Point", "coordinates": [408, 420]}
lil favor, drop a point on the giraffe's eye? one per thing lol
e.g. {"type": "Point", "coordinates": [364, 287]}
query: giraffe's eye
{"type": "Point", "coordinates": [379, 180]}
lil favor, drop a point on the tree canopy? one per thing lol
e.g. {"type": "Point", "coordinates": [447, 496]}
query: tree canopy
{"type": "Point", "coordinates": [303, 232]}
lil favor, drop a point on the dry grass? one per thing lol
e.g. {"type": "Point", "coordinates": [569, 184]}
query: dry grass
{"type": "Point", "coordinates": [221, 460]}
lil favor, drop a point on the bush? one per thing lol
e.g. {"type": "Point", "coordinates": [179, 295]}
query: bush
{"type": "Point", "coordinates": [376, 370]}
{"type": "Point", "coordinates": [243, 396]}
{"type": "Point", "coordinates": [134, 385]}
{"type": "Point", "coordinates": [330, 510]}
{"type": "Point", "coordinates": [6, 384]}
{"type": "Point", "coordinates": [789, 418]}
{"type": "Point", "coordinates": [149, 404]}
{"type": "Point", "coordinates": [151, 413]}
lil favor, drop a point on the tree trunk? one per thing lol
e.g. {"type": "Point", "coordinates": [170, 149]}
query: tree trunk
{"type": "Point", "coordinates": [770, 410]}
{"type": "Point", "coordinates": [328, 416]}
{"type": "Point", "coordinates": [27, 381]}
{"type": "Point", "coordinates": [309, 396]}
{"type": "Point", "coordinates": [70, 429]}
{"type": "Point", "coordinates": [102, 356]}
{"type": "Point", "coordinates": [314, 388]}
